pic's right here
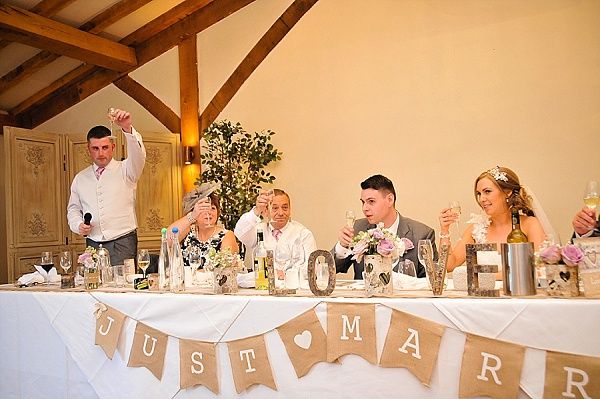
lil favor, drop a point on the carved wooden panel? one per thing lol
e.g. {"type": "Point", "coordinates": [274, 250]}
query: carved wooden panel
{"type": "Point", "coordinates": [36, 209]}
{"type": "Point", "coordinates": [24, 259]}
{"type": "Point", "coordinates": [78, 159]}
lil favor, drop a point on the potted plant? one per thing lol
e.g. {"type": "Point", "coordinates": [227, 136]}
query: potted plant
{"type": "Point", "coordinates": [237, 161]}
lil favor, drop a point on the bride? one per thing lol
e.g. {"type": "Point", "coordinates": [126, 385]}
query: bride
{"type": "Point", "coordinates": [496, 191]}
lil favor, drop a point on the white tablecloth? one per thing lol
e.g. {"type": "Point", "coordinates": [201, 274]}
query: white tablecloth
{"type": "Point", "coordinates": [48, 351]}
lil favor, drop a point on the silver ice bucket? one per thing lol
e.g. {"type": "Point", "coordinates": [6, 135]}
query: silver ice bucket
{"type": "Point", "coordinates": [518, 269]}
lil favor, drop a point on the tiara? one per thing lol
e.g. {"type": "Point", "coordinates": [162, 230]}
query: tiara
{"type": "Point", "coordinates": [497, 174]}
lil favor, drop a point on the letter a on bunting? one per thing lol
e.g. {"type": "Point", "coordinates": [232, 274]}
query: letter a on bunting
{"type": "Point", "coordinates": [412, 342]}
{"type": "Point", "coordinates": [490, 368]}
{"type": "Point", "coordinates": [109, 323]}
{"type": "Point", "coordinates": [148, 349]}
{"type": "Point", "coordinates": [351, 330]}
{"type": "Point", "coordinates": [571, 376]}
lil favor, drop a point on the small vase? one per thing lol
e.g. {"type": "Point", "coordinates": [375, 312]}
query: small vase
{"type": "Point", "coordinates": [562, 280]}
{"type": "Point", "coordinates": [378, 275]}
{"type": "Point", "coordinates": [225, 280]}
{"type": "Point", "coordinates": [91, 278]}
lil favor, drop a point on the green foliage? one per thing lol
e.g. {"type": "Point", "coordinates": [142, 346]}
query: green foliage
{"type": "Point", "coordinates": [236, 160]}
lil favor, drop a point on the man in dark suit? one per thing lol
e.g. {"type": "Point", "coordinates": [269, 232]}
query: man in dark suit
{"type": "Point", "coordinates": [585, 223]}
{"type": "Point", "coordinates": [378, 198]}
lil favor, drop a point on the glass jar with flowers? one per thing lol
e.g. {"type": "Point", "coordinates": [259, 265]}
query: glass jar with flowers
{"type": "Point", "coordinates": [379, 248]}
{"type": "Point", "coordinates": [224, 266]}
{"type": "Point", "coordinates": [91, 274]}
{"type": "Point", "coordinates": [562, 264]}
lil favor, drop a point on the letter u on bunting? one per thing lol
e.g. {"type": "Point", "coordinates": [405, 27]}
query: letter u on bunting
{"type": "Point", "coordinates": [198, 365]}
{"type": "Point", "coordinates": [109, 323]}
{"type": "Point", "coordinates": [305, 341]}
{"type": "Point", "coordinates": [351, 330]}
{"type": "Point", "coordinates": [412, 342]}
{"type": "Point", "coordinates": [250, 363]}
{"type": "Point", "coordinates": [490, 368]}
{"type": "Point", "coordinates": [571, 376]}
{"type": "Point", "coordinates": [148, 349]}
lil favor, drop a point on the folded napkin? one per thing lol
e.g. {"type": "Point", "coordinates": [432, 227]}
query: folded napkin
{"type": "Point", "coordinates": [39, 278]}
{"type": "Point", "coordinates": [406, 282]}
{"type": "Point", "coordinates": [245, 280]}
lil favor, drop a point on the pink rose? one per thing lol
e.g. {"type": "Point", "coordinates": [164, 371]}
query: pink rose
{"type": "Point", "coordinates": [83, 257]}
{"type": "Point", "coordinates": [359, 249]}
{"type": "Point", "coordinates": [551, 254]}
{"type": "Point", "coordinates": [572, 254]}
{"type": "Point", "coordinates": [408, 244]}
{"type": "Point", "coordinates": [385, 247]}
{"type": "Point", "coordinates": [378, 234]}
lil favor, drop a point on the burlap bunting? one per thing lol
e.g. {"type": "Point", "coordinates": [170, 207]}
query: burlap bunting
{"type": "Point", "coordinates": [305, 341]}
{"type": "Point", "coordinates": [148, 349]}
{"type": "Point", "coordinates": [108, 329]}
{"type": "Point", "coordinates": [571, 376]}
{"type": "Point", "coordinates": [490, 368]}
{"type": "Point", "coordinates": [351, 330]}
{"type": "Point", "coordinates": [412, 342]}
{"type": "Point", "coordinates": [250, 363]}
{"type": "Point", "coordinates": [198, 365]}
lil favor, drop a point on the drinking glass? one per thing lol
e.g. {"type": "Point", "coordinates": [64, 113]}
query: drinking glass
{"type": "Point", "coordinates": [591, 197]}
{"type": "Point", "coordinates": [350, 218]}
{"type": "Point", "coordinates": [424, 246]}
{"type": "Point", "coordinates": [47, 263]}
{"type": "Point", "coordinates": [455, 208]}
{"type": "Point", "coordinates": [407, 267]}
{"type": "Point", "coordinates": [282, 259]}
{"type": "Point", "coordinates": [111, 118]}
{"type": "Point", "coordinates": [65, 261]}
{"type": "Point", "coordinates": [270, 193]}
{"type": "Point", "coordinates": [195, 261]}
{"type": "Point", "coordinates": [298, 264]}
{"type": "Point", "coordinates": [207, 216]}
{"type": "Point", "coordinates": [143, 260]}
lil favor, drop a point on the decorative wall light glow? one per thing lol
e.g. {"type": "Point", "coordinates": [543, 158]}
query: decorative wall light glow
{"type": "Point", "coordinates": [188, 155]}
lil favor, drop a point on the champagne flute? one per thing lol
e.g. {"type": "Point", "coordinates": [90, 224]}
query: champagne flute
{"type": "Point", "coordinates": [282, 259]}
{"type": "Point", "coordinates": [423, 247]}
{"type": "Point", "coordinates": [111, 117]}
{"type": "Point", "coordinates": [270, 194]}
{"type": "Point", "coordinates": [207, 214]}
{"type": "Point", "coordinates": [65, 261]}
{"type": "Point", "coordinates": [455, 208]}
{"type": "Point", "coordinates": [591, 197]}
{"type": "Point", "coordinates": [143, 260]}
{"type": "Point", "coordinates": [350, 218]}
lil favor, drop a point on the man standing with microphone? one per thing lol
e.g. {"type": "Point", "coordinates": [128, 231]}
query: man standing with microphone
{"type": "Point", "coordinates": [102, 202]}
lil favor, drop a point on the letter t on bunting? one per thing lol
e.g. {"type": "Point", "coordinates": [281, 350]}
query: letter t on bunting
{"type": "Point", "coordinates": [305, 341]}
{"type": "Point", "coordinates": [148, 349]}
{"type": "Point", "coordinates": [198, 365]}
{"type": "Point", "coordinates": [250, 363]}
{"type": "Point", "coordinates": [412, 342]}
{"type": "Point", "coordinates": [351, 330]}
{"type": "Point", "coordinates": [490, 368]}
{"type": "Point", "coordinates": [109, 323]}
{"type": "Point", "coordinates": [571, 376]}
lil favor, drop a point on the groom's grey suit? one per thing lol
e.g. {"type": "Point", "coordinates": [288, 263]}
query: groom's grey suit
{"type": "Point", "coordinates": [407, 228]}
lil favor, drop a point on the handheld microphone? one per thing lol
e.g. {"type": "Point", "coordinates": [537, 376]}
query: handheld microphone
{"type": "Point", "coordinates": [87, 218]}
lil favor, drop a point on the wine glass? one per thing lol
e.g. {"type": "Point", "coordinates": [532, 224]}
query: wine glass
{"type": "Point", "coordinates": [298, 264]}
{"type": "Point", "coordinates": [143, 260]}
{"type": "Point", "coordinates": [207, 214]}
{"type": "Point", "coordinates": [111, 117]}
{"type": "Point", "coordinates": [591, 197]}
{"type": "Point", "coordinates": [47, 263]}
{"type": "Point", "coordinates": [65, 261]}
{"type": "Point", "coordinates": [407, 267]}
{"type": "Point", "coordinates": [350, 218]}
{"type": "Point", "coordinates": [455, 208]}
{"type": "Point", "coordinates": [282, 259]}
{"type": "Point", "coordinates": [423, 247]}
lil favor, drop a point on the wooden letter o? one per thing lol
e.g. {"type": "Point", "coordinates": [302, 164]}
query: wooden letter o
{"type": "Point", "coordinates": [312, 273]}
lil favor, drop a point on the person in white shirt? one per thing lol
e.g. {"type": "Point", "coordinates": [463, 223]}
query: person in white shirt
{"type": "Point", "coordinates": [106, 190]}
{"type": "Point", "coordinates": [280, 228]}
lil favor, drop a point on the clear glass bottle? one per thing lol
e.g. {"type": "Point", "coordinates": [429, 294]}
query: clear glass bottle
{"type": "Point", "coordinates": [164, 263]}
{"type": "Point", "coordinates": [177, 279]}
{"type": "Point", "coordinates": [516, 235]}
{"type": "Point", "coordinates": [261, 281]}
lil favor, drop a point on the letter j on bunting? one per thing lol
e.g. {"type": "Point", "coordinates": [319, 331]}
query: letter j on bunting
{"type": "Point", "coordinates": [250, 363]}
{"type": "Point", "coordinates": [305, 341]}
{"type": "Point", "coordinates": [109, 323]}
{"type": "Point", "coordinates": [413, 343]}
{"type": "Point", "coordinates": [490, 368]}
{"type": "Point", "coordinates": [198, 365]}
{"type": "Point", "coordinates": [571, 376]}
{"type": "Point", "coordinates": [351, 330]}
{"type": "Point", "coordinates": [148, 349]}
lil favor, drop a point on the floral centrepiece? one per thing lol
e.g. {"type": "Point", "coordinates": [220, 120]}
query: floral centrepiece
{"type": "Point", "coordinates": [89, 259]}
{"type": "Point", "coordinates": [379, 241]}
{"type": "Point", "coordinates": [224, 265]}
{"type": "Point", "coordinates": [88, 256]}
{"type": "Point", "coordinates": [570, 254]}
{"type": "Point", "coordinates": [562, 276]}
{"type": "Point", "coordinates": [223, 258]}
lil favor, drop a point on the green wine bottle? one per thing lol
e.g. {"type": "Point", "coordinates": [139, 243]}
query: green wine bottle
{"type": "Point", "coordinates": [516, 235]}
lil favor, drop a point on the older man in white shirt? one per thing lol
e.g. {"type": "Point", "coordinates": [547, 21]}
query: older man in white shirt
{"type": "Point", "coordinates": [106, 191]}
{"type": "Point", "coordinates": [280, 228]}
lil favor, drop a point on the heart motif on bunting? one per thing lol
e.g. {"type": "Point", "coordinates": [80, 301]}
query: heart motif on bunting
{"type": "Point", "coordinates": [303, 340]}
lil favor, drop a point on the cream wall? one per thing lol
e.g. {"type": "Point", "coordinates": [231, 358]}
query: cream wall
{"type": "Point", "coordinates": [429, 93]}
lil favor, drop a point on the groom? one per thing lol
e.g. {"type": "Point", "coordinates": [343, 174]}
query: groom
{"type": "Point", "coordinates": [378, 199]}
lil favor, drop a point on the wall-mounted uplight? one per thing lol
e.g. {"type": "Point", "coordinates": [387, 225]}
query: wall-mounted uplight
{"type": "Point", "coordinates": [188, 155]}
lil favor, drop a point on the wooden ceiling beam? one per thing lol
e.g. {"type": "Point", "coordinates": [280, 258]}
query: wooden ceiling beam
{"type": "Point", "coordinates": [81, 83]}
{"type": "Point", "coordinates": [259, 52]}
{"type": "Point", "coordinates": [94, 25]}
{"type": "Point", "coordinates": [153, 104]}
{"type": "Point", "coordinates": [26, 27]}
{"type": "Point", "coordinates": [45, 8]}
